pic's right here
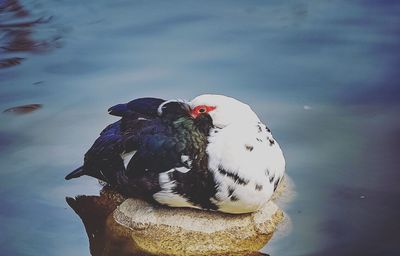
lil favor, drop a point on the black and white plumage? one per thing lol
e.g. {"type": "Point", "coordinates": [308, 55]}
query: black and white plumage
{"type": "Point", "coordinates": [211, 153]}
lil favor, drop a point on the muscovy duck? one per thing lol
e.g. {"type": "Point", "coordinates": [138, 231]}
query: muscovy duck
{"type": "Point", "coordinates": [211, 153]}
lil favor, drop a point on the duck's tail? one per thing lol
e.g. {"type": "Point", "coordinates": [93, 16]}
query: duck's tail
{"type": "Point", "coordinates": [78, 172]}
{"type": "Point", "coordinates": [143, 186]}
{"type": "Point", "coordinates": [107, 173]}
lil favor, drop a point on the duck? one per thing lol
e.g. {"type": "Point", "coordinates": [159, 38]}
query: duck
{"type": "Point", "coordinates": [210, 153]}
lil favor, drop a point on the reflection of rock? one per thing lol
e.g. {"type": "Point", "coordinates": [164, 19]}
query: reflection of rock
{"type": "Point", "coordinates": [94, 210]}
{"type": "Point", "coordinates": [116, 226]}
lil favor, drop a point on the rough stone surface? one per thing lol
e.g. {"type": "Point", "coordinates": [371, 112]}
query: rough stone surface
{"type": "Point", "coordinates": [185, 231]}
{"type": "Point", "coordinates": [116, 225]}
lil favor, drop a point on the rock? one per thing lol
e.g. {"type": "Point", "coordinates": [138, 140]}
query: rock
{"type": "Point", "coordinates": [116, 225]}
{"type": "Point", "coordinates": [185, 231]}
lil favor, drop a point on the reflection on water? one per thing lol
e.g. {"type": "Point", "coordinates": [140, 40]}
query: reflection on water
{"type": "Point", "coordinates": [95, 212]}
{"type": "Point", "coordinates": [17, 27]}
{"type": "Point", "coordinates": [322, 74]}
{"type": "Point", "coordinates": [94, 219]}
{"type": "Point", "coordinates": [23, 109]}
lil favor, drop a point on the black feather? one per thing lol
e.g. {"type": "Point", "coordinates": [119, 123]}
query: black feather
{"type": "Point", "coordinates": [146, 106]}
{"type": "Point", "coordinates": [159, 142]}
{"type": "Point", "coordinates": [75, 173]}
{"type": "Point", "coordinates": [118, 110]}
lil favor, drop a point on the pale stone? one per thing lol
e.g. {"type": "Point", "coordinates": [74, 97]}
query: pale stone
{"type": "Point", "coordinates": [185, 231]}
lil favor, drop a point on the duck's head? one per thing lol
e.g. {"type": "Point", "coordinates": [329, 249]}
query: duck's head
{"type": "Point", "coordinates": [223, 110]}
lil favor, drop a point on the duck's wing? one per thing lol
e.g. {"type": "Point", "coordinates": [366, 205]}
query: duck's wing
{"type": "Point", "coordinates": [103, 158]}
{"type": "Point", "coordinates": [171, 163]}
{"type": "Point", "coordinates": [172, 140]}
{"type": "Point", "coordinates": [145, 106]}
{"type": "Point", "coordinates": [159, 149]}
{"type": "Point", "coordinates": [165, 142]}
{"type": "Point", "coordinates": [140, 142]}
{"type": "Point", "coordinates": [107, 154]}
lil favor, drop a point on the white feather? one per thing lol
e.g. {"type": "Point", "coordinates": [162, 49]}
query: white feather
{"type": "Point", "coordinates": [127, 157]}
{"type": "Point", "coordinates": [160, 108]}
{"type": "Point", "coordinates": [167, 196]}
{"type": "Point", "coordinates": [241, 145]}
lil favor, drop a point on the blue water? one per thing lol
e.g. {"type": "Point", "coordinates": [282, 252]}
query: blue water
{"type": "Point", "coordinates": [324, 76]}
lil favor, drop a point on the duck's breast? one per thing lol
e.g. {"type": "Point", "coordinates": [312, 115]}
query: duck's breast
{"type": "Point", "coordinates": [247, 164]}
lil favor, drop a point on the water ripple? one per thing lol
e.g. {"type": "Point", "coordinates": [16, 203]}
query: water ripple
{"type": "Point", "coordinates": [18, 33]}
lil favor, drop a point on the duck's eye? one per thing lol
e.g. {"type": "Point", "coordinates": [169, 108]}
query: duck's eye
{"type": "Point", "coordinates": [202, 109]}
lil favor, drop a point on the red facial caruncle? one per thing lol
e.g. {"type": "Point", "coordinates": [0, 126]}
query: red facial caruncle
{"type": "Point", "coordinates": [201, 109]}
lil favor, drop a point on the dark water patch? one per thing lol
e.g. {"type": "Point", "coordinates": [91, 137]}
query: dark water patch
{"type": "Point", "coordinates": [7, 139]}
{"type": "Point", "coordinates": [383, 92]}
{"type": "Point", "coordinates": [11, 98]}
{"type": "Point", "coordinates": [10, 62]}
{"type": "Point", "coordinates": [23, 41]}
{"type": "Point", "coordinates": [353, 220]}
{"type": "Point", "coordinates": [24, 24]}
{"type": "Point", "coordinates": [162, 25]}
{"type": "Point", "coordinates": [38, 83]}
{"type": "Point", "coordinates": [24, 109]}
{"type": "Point", "coordinates": [388, 94]}
{"type": "Point", "coordinates": [74, 67]}
{"type": "Point", "coordinates": [19, 30]}
{"type": "Point", "coordinates": [14, 7]}
{"type": "Point", "coordinates": [386, 5]}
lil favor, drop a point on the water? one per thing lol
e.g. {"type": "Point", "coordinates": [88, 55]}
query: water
{"type": "Point", "coordinates": [323, 75]}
